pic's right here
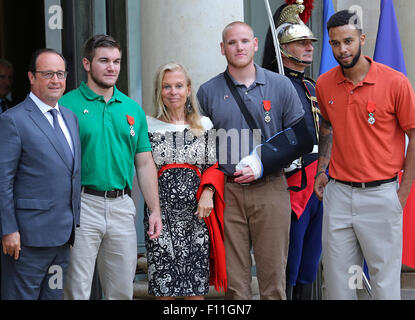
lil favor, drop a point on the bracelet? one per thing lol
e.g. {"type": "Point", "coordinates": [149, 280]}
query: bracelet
{"type": "Point", "coordinates": [210, 187]}
{"type": "Point", "coordinates": [319, 172]}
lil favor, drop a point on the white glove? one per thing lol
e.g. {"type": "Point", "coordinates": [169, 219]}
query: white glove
{"type": "Point", "coordinates": [296, 164]}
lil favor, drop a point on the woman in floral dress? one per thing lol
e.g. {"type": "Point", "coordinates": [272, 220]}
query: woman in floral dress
{"type": "Point", "coordinates": [183, 149]}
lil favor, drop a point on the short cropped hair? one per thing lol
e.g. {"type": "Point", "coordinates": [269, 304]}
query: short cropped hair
{"type": "Point", "coordinates": [37, 53]}
{"type": "Point", "coordinates": [235, 23]}
{"type": "Point", "coordinates": [345, 17]}
{"type": "Point", "coordinates": [99, 41]}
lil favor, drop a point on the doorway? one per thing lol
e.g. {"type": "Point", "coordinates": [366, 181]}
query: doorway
{"type": "Point", "coordinates": [22, 26]}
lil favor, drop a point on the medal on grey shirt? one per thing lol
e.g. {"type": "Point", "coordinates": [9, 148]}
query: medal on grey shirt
{"type": "Point", "coordinates": [267, 108]}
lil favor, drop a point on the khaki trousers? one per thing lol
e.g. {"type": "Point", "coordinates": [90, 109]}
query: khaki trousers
{"type": "Point", "coordinates": [107, 236]}
{"type": "Point", "coordinates": [257, 216]}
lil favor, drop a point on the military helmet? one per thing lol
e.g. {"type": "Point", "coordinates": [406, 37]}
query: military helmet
{"type": "Point", "coordinates": [295, 32]}
{"type": "Point", "coordinates": [289, 25]}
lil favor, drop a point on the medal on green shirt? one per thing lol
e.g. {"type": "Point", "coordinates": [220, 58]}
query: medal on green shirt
{"type": "Point", "coordinates": [131, 122]}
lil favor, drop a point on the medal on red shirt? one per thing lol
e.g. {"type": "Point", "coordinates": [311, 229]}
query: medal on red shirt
{"type": "Point", "coordinates": [267, 108]}
{"type": "Point", "coordinates": [131, 122]}
{"type": "Point", "coordinates": [371, 107]}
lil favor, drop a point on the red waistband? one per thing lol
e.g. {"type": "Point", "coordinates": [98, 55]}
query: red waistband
{"type": "Point", "coordinates": [179, 165]}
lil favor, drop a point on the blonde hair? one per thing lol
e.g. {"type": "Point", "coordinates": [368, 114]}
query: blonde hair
{"type": "Point", "coordinates": [193, 118]}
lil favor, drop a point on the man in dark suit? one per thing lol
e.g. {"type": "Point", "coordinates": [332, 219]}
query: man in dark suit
{"type": "Point", "coordinates": [6, 81]}
{"type": "Point", "coordinates": [39, 183]}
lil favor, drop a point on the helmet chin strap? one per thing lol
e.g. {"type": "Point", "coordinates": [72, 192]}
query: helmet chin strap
{"type": "Point", "coordinates": [291, 57]}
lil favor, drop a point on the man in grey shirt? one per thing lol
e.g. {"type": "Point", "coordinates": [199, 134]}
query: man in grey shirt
{"type": "Point", "coordinates": [257, 209]}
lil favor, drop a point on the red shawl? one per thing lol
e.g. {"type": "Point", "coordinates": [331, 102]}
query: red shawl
{"type": "Point", "coordinates": [214, 223]}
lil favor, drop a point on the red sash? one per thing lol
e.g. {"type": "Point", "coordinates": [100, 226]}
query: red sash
{"type": "Point", "coordinates": [179, 165]}
{"type": "Point", "coordinates": [299, 199]}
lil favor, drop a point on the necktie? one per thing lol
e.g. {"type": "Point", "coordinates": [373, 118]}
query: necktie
{"type": "Point", "coordinates": [61, 137]}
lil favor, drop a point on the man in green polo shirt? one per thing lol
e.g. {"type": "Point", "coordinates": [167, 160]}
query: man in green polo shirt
{"type": "Point", "coordinates": [114, 139]}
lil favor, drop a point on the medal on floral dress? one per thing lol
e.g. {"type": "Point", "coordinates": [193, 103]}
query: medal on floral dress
{"type": "Point", "coordinates": [131, 122]}
{"type": "Point", "coordinates": [267, 108]}
{"type": "Point", "coordinates": [371, 107]}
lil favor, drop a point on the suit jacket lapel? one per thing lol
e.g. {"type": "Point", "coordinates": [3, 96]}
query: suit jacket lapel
{"type": "Point", "coordinates": [40, 120]}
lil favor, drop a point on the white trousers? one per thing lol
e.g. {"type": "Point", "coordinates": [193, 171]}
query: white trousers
{"type": "Point", "coordinates": [362, 223]}
{"type": "Point", "coordinates": [106, 235]}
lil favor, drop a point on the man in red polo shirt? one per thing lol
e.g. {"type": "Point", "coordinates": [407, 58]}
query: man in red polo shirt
{"type": "Point", "coordinates": [367, 109]}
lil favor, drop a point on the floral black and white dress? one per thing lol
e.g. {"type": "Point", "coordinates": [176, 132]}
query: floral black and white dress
{"type": "Point", "coordinates": [178, 261]}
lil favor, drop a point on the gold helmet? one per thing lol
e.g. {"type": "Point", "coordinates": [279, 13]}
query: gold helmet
{"type": "Point", "coordinates": [295, 32]}
{"type": "Point", "coordinates": [290, 27]}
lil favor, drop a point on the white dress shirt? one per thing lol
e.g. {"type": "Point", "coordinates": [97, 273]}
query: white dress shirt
{"type": "Point", "coordinates": [44, 108]}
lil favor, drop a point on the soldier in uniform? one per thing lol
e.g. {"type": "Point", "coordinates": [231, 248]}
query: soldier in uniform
{"type": "Point", "coordinates": [296, 48]}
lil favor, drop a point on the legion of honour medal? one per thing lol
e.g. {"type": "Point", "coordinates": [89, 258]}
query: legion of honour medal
{"type": "Point", "coordinates": [371, 107]}
{"type": "Point", "coordinates": [267, 108]}
{"type": "Point", "coordinates": [131, 122]}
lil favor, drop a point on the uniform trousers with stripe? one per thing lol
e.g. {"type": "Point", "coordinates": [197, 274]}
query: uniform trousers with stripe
{"type": "Point", "coordinates": [305, 244]}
